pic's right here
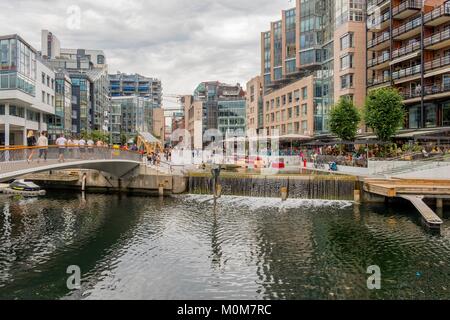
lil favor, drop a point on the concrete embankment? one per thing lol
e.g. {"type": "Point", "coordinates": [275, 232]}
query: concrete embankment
{"type": "Point", "coordinates": [144, 181]}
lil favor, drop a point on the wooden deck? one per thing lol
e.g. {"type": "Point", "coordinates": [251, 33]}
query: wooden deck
{"type": "Point", "coordinates": [413, 190]}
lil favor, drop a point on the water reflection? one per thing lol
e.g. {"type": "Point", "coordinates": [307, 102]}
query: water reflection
{"type": "Point", "coordinates": [242, 248]}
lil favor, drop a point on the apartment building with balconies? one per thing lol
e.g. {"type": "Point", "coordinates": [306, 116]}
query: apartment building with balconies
{"type": "Point", "coordinates": [317, 48]}
{"type": "Point", "coordinates": [409, 49]}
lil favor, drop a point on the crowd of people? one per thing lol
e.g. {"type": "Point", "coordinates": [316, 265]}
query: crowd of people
{"type": "Point", "coordinates": [75, 147]}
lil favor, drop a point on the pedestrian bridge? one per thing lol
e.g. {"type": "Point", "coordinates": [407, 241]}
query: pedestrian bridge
{"type": "Point", "coordinates": [14, 161]}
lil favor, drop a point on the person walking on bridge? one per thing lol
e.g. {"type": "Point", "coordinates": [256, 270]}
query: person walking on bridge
{"type": "Point", "coordinates": [31, 142]}
{"type": "Point", "coordinates": [61, 142]}
{"type": "Point", "coordinates": [43, 146]}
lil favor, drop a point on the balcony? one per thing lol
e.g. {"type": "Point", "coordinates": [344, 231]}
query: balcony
{"type": "Point", "coordinates": [438, 16]}
{"type": "Point", "coordinates": [437, 66]}
{"type": "Point", "coordinates": [406, 9]}
{"type": "Point", "coordinates": [379, 23]}
{"type": "Point", "coordinates": [408, 72]}
{"type": "Point", "coordinates": [380, 62]}
{"type": "Point", "coordinates": [411, 96]}
{"type": "Point", "coordinates": [380, 42]}
{"type": "Point", "coordinates": [408, 30]}
{"type": "Point", "coordinates": [403, 51]}
{"type": "Point", "coordinates": [437, 91]}
{"type": "Point", "coordinates": [379, 81]}
{"type": "Point", "coordinates": [377, 5]}
{"type": "Point", "coordinates": [438, 40]}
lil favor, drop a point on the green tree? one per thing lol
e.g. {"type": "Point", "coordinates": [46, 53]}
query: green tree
{"type": "Point", "coordinates": [384, 112]}
{"type": "Point", "coordinates": [344, 120]}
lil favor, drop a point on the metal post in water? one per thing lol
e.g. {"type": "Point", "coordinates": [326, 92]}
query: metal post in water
{"type": "Point", "coordinates": [284, 193]}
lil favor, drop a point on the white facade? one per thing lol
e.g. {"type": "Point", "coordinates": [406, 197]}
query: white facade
{"type": "Point", "coordinates": [21, 109]}
{"type": "Point", "coordinates": [51, 46]}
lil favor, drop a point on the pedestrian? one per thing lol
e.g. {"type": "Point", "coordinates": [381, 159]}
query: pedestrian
{"type": "Point", "coordinates": [43, 146]}
{"type": "Point", "coordinates": [31, 143]}
{"type": "Point", "coordinates": [61, 142]}
{"type": "Point", "coordinates": [90, 144]}
{"type": "Point", "coordinates": [82, 144]}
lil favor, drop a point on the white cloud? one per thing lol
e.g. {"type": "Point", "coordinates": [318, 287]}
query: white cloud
{"type": "Point", "coordinates": [181, 42]}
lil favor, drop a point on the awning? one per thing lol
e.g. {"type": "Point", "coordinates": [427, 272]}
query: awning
{"type": "Point", "coordinates": [149, 138]}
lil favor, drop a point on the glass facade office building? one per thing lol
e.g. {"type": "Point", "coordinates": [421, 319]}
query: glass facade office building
{"type": "Point", "coordinates": [17, 65]}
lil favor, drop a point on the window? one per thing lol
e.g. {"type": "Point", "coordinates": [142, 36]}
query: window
{"type": "Point", "coordinates": [48, 81]}
{"type": "Point", "coordinates": [347, 41]}
{"type": "Point", "coordinates": [290, 97]}
{"type": "Point", "coordinates": [290, 113]}
{"type": "Point", "coordinates": [304, 109]}
{"type": "Point", "coordinates": [347, 61]}
{"type": "Point", "coordinates": [48, 98]}
{"type": "Point", "coordinates": [297, 111]}
{"type": "Point", "coordinates": [43, 78]}
{"type": "Point", "coordinates": [347, 81]}
{"type": "Point", "coordinates": [304, 93]}
{"type": "Point", "coordinates": [305, 125]}
{"type": "Point", "coordinates": [100, 59]}
{"type": "Point", "coordinates": [43, 97]}
{"type": "Point", "coordinates": [297, 95]}
{"type": "Point", "coordinates": [2, 109]}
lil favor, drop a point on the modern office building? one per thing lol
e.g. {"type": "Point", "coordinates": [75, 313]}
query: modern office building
{"type": "Point", "coordinates": [51, 46]}
{"type": "Point", "coordinates": [309, 60]}
{"type": "Point", "coordinates": [122, 84]}
{"type": "Point", "coordinates": [409, 49]}
{"type": "Point", "coordinates": [254, 104]}
{"type": "Point", "coordinates": [88, 71]}
{"type": "Point", "coordinates": [135, 115]}
{"type": "Point", "coordinates": [27, 91]}
{"type": "Point", "coordinates": [215, 106]}
{"type": "Point", "coordinates": [61, 122]}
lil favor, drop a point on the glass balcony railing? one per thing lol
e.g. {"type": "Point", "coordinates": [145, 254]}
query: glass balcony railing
{"type": "Point", "coordinates": [375, 21]}
{"type": "Point", "coordinates": [443, 10]}
{"type": "Point", "coordinates": [379, 60]}
{"type": "Point", "coordinates": [437, 63]}
{"type": "Point", "coordinates": [437, 37]}
{"type": "Point", "coordinates": [437, 88]}
{"type": "Point", "coordinates": [411, 25]}
{"type": "Point", "coordinates": [378, 80]}
{"type": "Point", "coordinates": [380, 39]}
{"type": "Point", "coordinates": [406, 72]}
{"type": "Point", "coordinates": [373, 4]}
{"type": "Point", "coordinates": [407, 5]}
{"type": "Point", "coordinates": [405, 50]}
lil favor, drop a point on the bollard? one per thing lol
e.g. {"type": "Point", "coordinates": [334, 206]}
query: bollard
{"type": "Point", "coordinates": [218, 191]}
{"type": "Point", "coordinates": [357, 196]}
{"type": "Point", "coordinates": [284, 193]}
{"type": "Point", "coordinates": [440, 203]}
{"type": "Point", "coordinates": [161, 190]}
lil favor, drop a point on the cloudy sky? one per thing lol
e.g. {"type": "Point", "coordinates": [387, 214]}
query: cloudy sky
{"type": "Point", "coordinates": [182, 42]}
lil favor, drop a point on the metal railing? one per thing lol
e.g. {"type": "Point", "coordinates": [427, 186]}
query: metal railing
{"type": "Point", "coordinates": [437, 63]}
{"type": "Point", "coordinates": [407, 5]}
{"type": "Point", "coordinates": [380, 39]}
{"type": "Point", "coordinates": [21, 158]}
{"type": "Point", "coordinates": [437, 13]}
{"type": "Point", "coordinates": [411, 25]}
{"type": "Point", "coordinates": [406, 72]}
{"type": "Point", "coordinates": [374, 22]}
{"type": "Point", "coordinates": [379, 60]}
{"type": "Point", "coordinates": [436, 38]}
{"type": "Point", "coordinates": [405, 50]}
{"type": "Point", "coordinates": [378, 80]}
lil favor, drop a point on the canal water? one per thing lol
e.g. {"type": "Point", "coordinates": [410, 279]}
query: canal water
{"type": "Point", "coordinates": [244, 248]}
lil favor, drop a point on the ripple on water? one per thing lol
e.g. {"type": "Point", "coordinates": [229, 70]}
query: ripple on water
{"type": "Point", "coordinates": [245, 248]}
